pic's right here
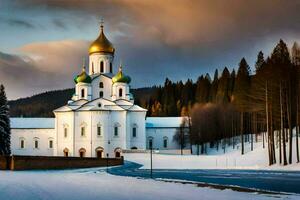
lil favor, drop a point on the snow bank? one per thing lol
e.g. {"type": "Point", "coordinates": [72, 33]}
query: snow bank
{"type": "Point", "coordinates": [256, 159]}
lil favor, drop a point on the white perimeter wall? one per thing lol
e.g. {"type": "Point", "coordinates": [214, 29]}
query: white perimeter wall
{"type": "Point", "coordinates": [158, 135]}
{"type": "Point", "coordinates": [30, 135]}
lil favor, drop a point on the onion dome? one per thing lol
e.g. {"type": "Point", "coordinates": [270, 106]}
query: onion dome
{"type": "Point", "coordinates": [101, 44]}
{"type": "Point", "coordinates": [83, 77]}
{"type": "Point", "coordinates": [120, 77]}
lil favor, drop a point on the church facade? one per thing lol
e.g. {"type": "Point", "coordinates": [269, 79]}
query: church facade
{"type": "Point", "coordinates": [100, 120]}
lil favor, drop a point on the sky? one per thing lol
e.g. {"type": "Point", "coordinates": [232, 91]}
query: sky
{"type": "Point", "coordinates": [43, 42]}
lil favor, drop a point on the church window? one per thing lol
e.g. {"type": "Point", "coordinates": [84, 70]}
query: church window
{"type": "Point", "coordinates": [101, 85]}
{"type": "Point", "coordinates": [65, 132]}
{"type": "Point", "coordinates": [22, 143]}
{"type": "Point", "coordinates": [83, 131]}
{"type": "Point", "coordinates": [165, 142]}
{"type": "Point", "coordinates": [50, 144]}
{"type": "Point", "coordinates": [99, 130]}
{"type": "Point", "coordinates": [36, 143]}
{"type": "Point", "coordinates": [101, 67]}
{"type": "Point", "coordinates": [101, 94]}
{"type": "Point", "coordinates": [66, 152]}
{"type": "Point", "coordinates": [82, 93]}
{"type": "Point", "coordinates": [110, 67]}
{"type": "Point", "coordinates": [150, 142]}
{"type": "Point", "coordinates": [120, 92]}
{"type": "Point", "coordinates": [134, 132]}
{"type": "Point", "coordinates": [82, 152]}
{"type": "Point", "coordinates": [116, 131]}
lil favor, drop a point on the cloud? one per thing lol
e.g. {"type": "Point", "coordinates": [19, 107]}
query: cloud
{"type": "Point", "coordinates": [41, 66]}
{"type": "Point", "coordinates": [18, 23]}
{"type": "Point", "coordinates": [157, 39]}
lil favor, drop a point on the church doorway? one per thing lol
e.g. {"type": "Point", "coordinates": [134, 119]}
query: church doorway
{"type": "Point", "coordinates": [99, 152]}
{"type": "Point", "coordinates": [118, 152]}
{"type": "Point", "coordinates": [82, 152]}
{"type": "Point", "coordinates": [66, 152]}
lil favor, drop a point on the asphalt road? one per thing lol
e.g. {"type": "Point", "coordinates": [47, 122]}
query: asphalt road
{"type": "Point", "coordinates": [265, 180]}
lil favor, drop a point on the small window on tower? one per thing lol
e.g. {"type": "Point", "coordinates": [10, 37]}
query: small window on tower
{"type": "Point", "coordinates": [101, 85]}
{"type": "Point", "coordinates": [110, 67]}
{"type": "Point", "coordinates": [101, 94]}
{"type": "Point", "coordinates": [120, 92]}
{"type": "Point", "coordinates": [101, 67]}
{"type": "Point", "coordinates": [82, 93]}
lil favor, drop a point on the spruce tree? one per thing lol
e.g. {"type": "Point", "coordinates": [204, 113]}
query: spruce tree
{"type": "Point", "coordinates": [4, 124]}
{"type": "Point", "coordinates": [260, 61]}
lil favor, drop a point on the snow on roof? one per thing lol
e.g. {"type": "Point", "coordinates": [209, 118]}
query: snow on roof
{"type": "Point", "coordinates": [32, 123]}
{"type": "Point", "coordinates": [163, 122]}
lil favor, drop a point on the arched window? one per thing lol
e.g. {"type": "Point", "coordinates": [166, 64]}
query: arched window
{"type": "Point", "coordinates": [82, 93]}
{"type": "Point", "coordinates": [110, 67]}
{"type": "Point", "coordinates": [66, 152]}
{"type": "Point", "coordinates": [118, 152]}
{"type": "Point", "coordinates": [99, 130]}
{"type": "Point", "coordinates": [165, 141]}
{"type": "Point", "coordinates": [93, 68]}
{"type": "Point", "coordinates": [101, 85]}
{"type": "Point", "coordinates": [83, 130]}
{"type": "Point", "coordinates": [65, 131]}
{"type": "Point", "coordinates": [134, 130]}
{"type": "Point", "coordinates": [120, 92]}
{"type": "Point", "coordinates": [22, 143]}
{"type": "Point", "coordinates": [50, 143]}
{"type": "Point", "coordinates": [101, 67]}
{"type": "Point", "coordinates": [36, 143]}
{"type": "Point", "coordinates": [82, 152]}
{"type": "Point", "coordinates": [99, 152]}
{"type": "Point", "coordinates": [116, 130]}
{"type": "Point", "coordinates": [101, 94]}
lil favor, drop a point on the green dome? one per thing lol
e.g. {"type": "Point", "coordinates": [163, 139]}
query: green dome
{"type": "Point", "coordinates": [120, 77]}
{"type": "Point", "coordinates": [83, 77]}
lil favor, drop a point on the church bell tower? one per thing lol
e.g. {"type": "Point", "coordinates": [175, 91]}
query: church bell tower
{"type": "Point", "coordinates": [101, 55]}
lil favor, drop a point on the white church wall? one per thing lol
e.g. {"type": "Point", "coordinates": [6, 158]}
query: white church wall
{"type": "Point", "coordinates": [64, 120]}
{"type": "Point", "coordinates": [43, 136]}
{"type": "Point", "coordinates": [137, 120]}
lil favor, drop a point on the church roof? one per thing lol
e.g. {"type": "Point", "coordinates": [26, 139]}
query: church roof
{"type": "Point", "coordinates": [32, 123]}
{"type": "Point", "coordinates": [164, 122]}
{"type": "Point", "coordinates": [101, 44]}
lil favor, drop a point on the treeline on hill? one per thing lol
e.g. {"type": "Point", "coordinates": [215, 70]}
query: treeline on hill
{"type": "Point", "coordinates": [42, 105]}
{"type": "Point", "coordinates": [240, 104]}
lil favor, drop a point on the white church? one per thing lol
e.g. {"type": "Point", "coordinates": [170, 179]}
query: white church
{"type": "Point", "coordinates": [100, 120]}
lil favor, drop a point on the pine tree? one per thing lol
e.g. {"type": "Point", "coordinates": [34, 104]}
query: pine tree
{"type": "Point", "coordinates": [4, 124]}
{"type": "Point", "coordinates": [260, 61]}
{"type": "Point", "coordinates": [240, 93]}
{"type": "Point", "coordinates": [223, 87]}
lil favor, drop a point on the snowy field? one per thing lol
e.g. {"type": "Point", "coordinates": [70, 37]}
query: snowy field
{"type": "Point", "coordinates": [94, 183]}
{"type": "Point", "coordinates": [232, 159]}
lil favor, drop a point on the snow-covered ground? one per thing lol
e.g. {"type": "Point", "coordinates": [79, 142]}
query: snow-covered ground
{"type": "Point", "coordinates": [232, 159]}
{"type": "Point", "coordinates": [94, 184]}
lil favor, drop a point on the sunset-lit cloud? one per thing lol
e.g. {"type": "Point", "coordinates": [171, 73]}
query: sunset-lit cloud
{"type": "Point", "coordinates": [178, 39]}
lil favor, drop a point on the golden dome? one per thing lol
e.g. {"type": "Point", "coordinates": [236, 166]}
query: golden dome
{"type": "Point", "coordinates": [101, 45]}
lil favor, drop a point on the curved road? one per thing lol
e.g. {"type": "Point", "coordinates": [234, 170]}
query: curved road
{"type": "Point", "coordinates": [265, 180]}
